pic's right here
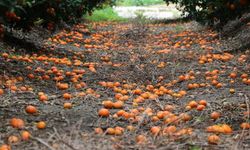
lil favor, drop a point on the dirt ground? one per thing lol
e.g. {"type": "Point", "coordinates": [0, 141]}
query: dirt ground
{"type": "Point", "coordinates": [180, 61]}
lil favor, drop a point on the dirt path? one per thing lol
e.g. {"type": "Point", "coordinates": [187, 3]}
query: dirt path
{"type": "Point", "coordinates": [155, 69]}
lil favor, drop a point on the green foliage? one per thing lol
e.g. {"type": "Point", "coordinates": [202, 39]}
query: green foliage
{"type": "Point", "coordinates": [212, 11]}
{"type": "Point", "coordinates": [138, 2]}
{"type": "Point", "coordinates": [26, 13]}
{"type": "Point", "coordinates": [105, 14]}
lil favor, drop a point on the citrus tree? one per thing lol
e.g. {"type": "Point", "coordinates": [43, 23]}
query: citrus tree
{"type": "Point", "coordinates": [212, 12]}
{"type": "Point", "coordinates": [26, 13]}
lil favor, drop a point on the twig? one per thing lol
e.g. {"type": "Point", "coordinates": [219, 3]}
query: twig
{"type": "Point", "coordinates": [43, 142]}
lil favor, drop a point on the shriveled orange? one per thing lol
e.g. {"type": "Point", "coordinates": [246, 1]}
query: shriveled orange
{"type": "Point", "coordinates": [13, 139]}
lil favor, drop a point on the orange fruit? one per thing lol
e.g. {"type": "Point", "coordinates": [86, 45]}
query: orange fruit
{"type": "Point", "coordinates": [67, 105]}
{"type": "Point", "coordinates": [98, 131]}
{"type": "Point", "coordinates": [140, 139]}
{"type": "Point", "coordinates": [107, 104]}
{"type": "Point", "coordinates": [200, 107]}
{"type": "Point", "coordinates": [130, 128]}
{"type": "Point", "coordinates": [227, 129]}
{"type": "Point", "coordinates": [31, 109]}
{"type": "Point", "coordinates": [43, 98]}
{"type": "Point", "coordinates": [110, 131]}
{"type": "Point", "coordinates": [244, 75]}
{"type": "Point", "coordinates": [41, 125]}
{"type": "Point", "coordinates": [215, 115]}
{"type": "Point", "coordinates": [203, 102]}
{"type": "Point", "coordinates": [118, 105]}
{"type": "Point", "coordinates": [155, 119]}
{"type": "Point", "coordinates": [137, 91]}
{"type": "Point", "coordinates": [219, 85]}
{"type": "Point", "coordinates": [67, 96]}
{"type": "Point", "coordinates": [13, 139]}
{"type": "Point", "coordinates": [244, 2]}
{"type": "Point", "coordinates": [120, 113]}
{"type": "Point", "coordinates": [232, 91]}
{"type": "Point", "coordinates": [185, 117]}
{"type": "Point", "coordinates": [118, 130]}
{"type": "Point", "coordinates": [245, 125]}
{"type": "Point", "coordinates": [193, 104]}
{"type": "Point", "coordinates": [1, 92]}
{"type": "Point", "coordinates": [103, 112]}
{"type": "Point", "coordinates": [17, 123]}
{"type": "Point", "coordinates": [213, 139]}
{"type": "Point", "coordinates": [155, 130]}
{"type": "Point", "coordinates": [25, 135]}
{"type": "Point", "coordinates": [5, 147]}
{"type": "Point", "coordinates": [233, 75]}
{"type": "Point", "coordinates": [169, 108]}
{"type": "Point", "coordinates": [169, 130]}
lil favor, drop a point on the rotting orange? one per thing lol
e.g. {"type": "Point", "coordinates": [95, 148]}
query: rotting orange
{"type": "Point", "coordinates": [13, 139]}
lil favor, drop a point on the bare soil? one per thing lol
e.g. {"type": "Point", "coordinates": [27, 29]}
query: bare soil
{"type": "Point", "coordinates": [133, 58]}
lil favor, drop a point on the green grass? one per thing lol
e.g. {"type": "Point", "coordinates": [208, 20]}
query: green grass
{"type": "Point", "coordinates": [105, 14]}
{"type": "Point", "coordinates": [139, 2]}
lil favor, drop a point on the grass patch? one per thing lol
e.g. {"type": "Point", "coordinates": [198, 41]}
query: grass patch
{"type": "Point", "coordinates": [105, 14]}
{"type": "Point", "coordinates": [139, 2]}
